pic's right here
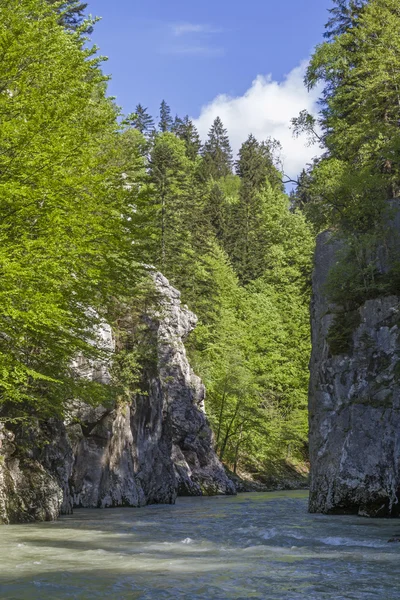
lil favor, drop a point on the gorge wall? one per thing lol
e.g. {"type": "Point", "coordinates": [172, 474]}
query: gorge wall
{"type": "Point", "coordinates": [130, 454]}
{"type": "Point", "coordinates": [354, 397]}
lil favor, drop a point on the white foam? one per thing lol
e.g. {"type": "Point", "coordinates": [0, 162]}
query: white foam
{"type": "Point", "coordinates": [339, 541]}
{"type": "Point", "coordinates": [269, 533]}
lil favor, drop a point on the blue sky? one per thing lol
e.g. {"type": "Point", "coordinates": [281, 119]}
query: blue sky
{"type": "Point", "coordinates": [189, 53]}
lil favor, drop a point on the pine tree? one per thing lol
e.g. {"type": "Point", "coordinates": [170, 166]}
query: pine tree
{"type": "Point", "coordinates": [73, 13]}
{"type": "Point", "coordinates": [170, 175]}
{"type": "Point", "coordinates": [186, 131]}
{"type": "Point", "coordinates": [301, 196]}
{"type": "Point", "coordinates": [166, 121]}
{"type": "Point", "coordinates": [344, 16]}
{"type": "Point", "coordinates": [248, 238]}
{"type": "Point", "coordinates": [216, 210]}
{"type": "Point", "coordinates": [217, 152]}
{"type": "Point", "coordinates": [255, 164]}
{"type": "Point", "coordinates": [141, 120]}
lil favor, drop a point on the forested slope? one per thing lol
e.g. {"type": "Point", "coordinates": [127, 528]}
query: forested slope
{"type": "Point", "coordinates": [88, 196]}
{"type": "Point", "coordinates": [222, 231]}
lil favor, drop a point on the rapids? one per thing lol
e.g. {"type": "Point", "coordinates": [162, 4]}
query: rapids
{"type": "Point", "coordinates": [263, 546]}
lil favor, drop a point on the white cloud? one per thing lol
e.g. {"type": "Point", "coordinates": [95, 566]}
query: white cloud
{"type": "Point", "coordinates": [266, 110]}
{"type": "Point", "coordinates": [180, 29]}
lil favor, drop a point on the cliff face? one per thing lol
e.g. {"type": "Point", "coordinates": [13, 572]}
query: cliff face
{"type": "Point", "coordinates": [132, 454]}
{"type": "Point", "coordinates": [354, 403]}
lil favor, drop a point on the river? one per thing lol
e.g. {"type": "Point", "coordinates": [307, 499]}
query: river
{"type": "Point", "coordinates": [262, 546]}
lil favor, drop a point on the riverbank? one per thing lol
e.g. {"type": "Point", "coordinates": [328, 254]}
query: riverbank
{"type": "Point", "coordinates": [281, 475]}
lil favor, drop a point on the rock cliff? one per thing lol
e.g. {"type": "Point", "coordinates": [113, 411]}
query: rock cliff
{"type": "Point", "coordinates": [354, 400]}
{"type": "Point", "coordinates": [131, 454]}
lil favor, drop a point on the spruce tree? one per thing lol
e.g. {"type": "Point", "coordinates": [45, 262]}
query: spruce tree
{"type": "Point", "coordinates": [186, 131]}
{"type": "Point", "coordinates": [248, 238]}
{"type": "Point", "coordinates": [141, 120]}
{"type": "Point", "coordinates": [216, 210]}
{"type": "Point", "coordinates": [177, 125]}
{"type": "Point", "coordinates": [256, 164]}
{"type": "Point", "coordinates": [344, 16]}
{"type": "Point", "coordinates": [166, 121]}
{"type": "Point", "coordinates": [73, 13]}
{"type": "Point", "coordinates": [217, 152]}
{"type": "Point", "coordinates": [168, 212]}
{"type": "Point", "coordinates": [301, 196]}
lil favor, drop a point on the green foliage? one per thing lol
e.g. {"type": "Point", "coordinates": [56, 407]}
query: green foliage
{"type": "Point", "coordinates": [249, 218]}
{"type": "Point", "coordinates": [141, 120]}
{"type": "Point", "coordinates": [85, 200]}
{"type": "Point", "coordinates": [170, 179]}
{"type": "Point", "coordinates": [135, 358]}
{"type": "Point", "coordinates": [185, 130]}
{"type": "Point", "coordinates": [72, 14]}
{"type": "Point", "coordinates": [359, 68]}
{"type": "Point", "coordinates": [217, 153]}
{"type": "Point", "coordinates": [166, 121]}
{"type": "Point", "coordinates": [63, 210]}
{"type": "Point", "coordinates": [349, 187]}
{"type": "Point", "coordinates": [253, 349]}
{"type": "Point", "coordinates": [255, 164]}
{"type": "Point", "coordinates": [344, 16]}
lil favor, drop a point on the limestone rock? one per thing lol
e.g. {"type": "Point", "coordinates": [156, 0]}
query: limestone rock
{"type": "Point", "coordinates": [140, 452]}
{"type": "Point", "coordinates": [28, 490]}
{"type": "Point", "coordinates": [197, 467]}
{"type": "Point", "coordinates": [354, 404]}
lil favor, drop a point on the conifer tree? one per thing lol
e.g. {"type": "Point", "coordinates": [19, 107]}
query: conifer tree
{"type": "Point", "coordinates": [217, 152]}
{"type": "Point", "coordinates": [256, 164]}
{"type": "Point", "coordinates": [170, 176]}
{"type": "Point", "coordinates": [166, 121]}
{"type": "Point", "coordinates": [300, 197]}
{"type": "Point", "coordinates": [344, 16]}
{"type": "Point", "coordinates": [176, 124]}
{"type": "Point", "coordinates": [73, 13]}
{"type": "Point", "coordinates": [248, 238]}
{"type": "Point", "coordinates": [141, 120]}
{"type": "Point", "coordinates": [186, 131]}
{"type": "Point", "coordinates": [217, 213]}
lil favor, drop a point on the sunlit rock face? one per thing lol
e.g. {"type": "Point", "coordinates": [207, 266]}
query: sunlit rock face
{"type": "Point", "coordinates": [131, 454]}
{"type": "Point", "coordinates": [354, 402]}
{"type": "Point", "coordinates": [197, 469]}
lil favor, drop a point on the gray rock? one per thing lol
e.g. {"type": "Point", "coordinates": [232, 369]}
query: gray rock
{"type": "Point", "coordinates": [354, 403]}
{"type": "Point", "coordinates": [131, 454]}
{"type": "Point", "coordinates": [28, 491]}
{"type": "Point", "coordinates": [197, 467]}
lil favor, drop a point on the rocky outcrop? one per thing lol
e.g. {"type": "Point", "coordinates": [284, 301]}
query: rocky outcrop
{"type": "Point", "coordinates": [197, 468]}
{"type": "Point", "coordinates": [354, 401]}
{"type": "Point", "coordinates": [134, 453]}
{"type": "Point", "coordinates": [28, 491]}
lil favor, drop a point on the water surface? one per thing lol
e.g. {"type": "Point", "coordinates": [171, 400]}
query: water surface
{"type": "Point", "coordinates": [262, 546]}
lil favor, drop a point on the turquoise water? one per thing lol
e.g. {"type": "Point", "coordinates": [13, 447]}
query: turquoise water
{"type": "Point", "coordinates": [262, 546]}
